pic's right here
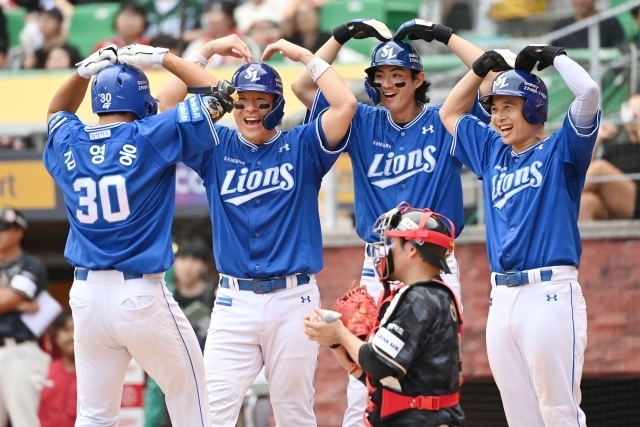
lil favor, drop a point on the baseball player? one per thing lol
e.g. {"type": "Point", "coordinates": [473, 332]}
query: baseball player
{"type": "Point", "coordinates": [23, 365]}
{"type": "Point", "coordinates": [413, 360]}
{"type": "Point", "coordinates": [399, 152]}
{"type": "Point", "coordinates": [118, 183]}
{"type": "Point", "coordinates": [262, 185]}
{"type": "Point", "coordinates": [532, 181]}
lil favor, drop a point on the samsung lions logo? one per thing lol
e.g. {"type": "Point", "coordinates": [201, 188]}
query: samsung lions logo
{"type": "Point", "coordinates": [387, 52]}
{"type": "Point", "coordinates": [500, 82]}
{"type": "Point", "coordinates": [506, 185]}
{"type": "Point", "coordinates": [252, 74]}
{"type": "Point", "coordinates": [254, 184]}
{"type": "Point", "coordinates": [396, 168]}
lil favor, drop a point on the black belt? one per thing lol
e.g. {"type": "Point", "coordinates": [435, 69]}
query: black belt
{"type": "Point", "coordinates": [83, 273]}
{"type": "Point", "coordinates": [265, 286]}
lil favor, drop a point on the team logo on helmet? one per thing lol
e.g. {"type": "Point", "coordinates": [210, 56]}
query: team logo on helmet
{"type": "Point", "coordinates": [387, 52]}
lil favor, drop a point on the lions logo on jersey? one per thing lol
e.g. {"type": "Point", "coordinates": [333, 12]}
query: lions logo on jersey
{"type": "Point", "coordinates": [506, 185]}
{"type": "Point", "coordinates": [258, 182]}
{"type": "Point", "coordinates": [396, 168]}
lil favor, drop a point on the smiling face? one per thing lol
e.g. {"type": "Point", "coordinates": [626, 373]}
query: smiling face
{"type": "Point", "coordinates": [507, 119]}
{"type": "Point", "coordinates": [249, 118]}
{"type": "Point", "coordinates": [397, 99]}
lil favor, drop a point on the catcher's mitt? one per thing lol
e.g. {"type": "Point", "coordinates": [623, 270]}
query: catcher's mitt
{"type": "Point", "coordinates": [358, 310]}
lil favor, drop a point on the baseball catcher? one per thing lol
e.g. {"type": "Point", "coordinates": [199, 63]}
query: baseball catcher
{"type": "Point", "coordinates": [411, 359]}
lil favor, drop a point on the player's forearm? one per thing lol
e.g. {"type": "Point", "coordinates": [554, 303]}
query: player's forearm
{"type": "Point", "coordinates": [352, 344]}
{"type": "Point", "coordinates": [10, 300]}
{"type": "Point", "coordinates": [460, 100]}
{"type": "Point", "coordinates": [303, 86]}
{"type": "Point", "coordinates": [185, 74]}
{"type": "Point", "coordinates": [69, 96]}
{"type": "Point", "coordinates": [468, 53]}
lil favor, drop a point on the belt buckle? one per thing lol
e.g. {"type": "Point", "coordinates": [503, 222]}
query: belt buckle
{"type": "Point", "coordinates": [506, 278]}
{"type": "Point", "coordinates": [429, 403]}
{"type": "Point", "coordinates": [255, 286]}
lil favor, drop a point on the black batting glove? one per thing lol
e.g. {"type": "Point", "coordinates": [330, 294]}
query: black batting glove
{"type": "Point", "coordinates": [544, 54]}
{"type": "Point", "coordinates": [227, 95]}
{"type": "Point", "coordinates": [419, 29]}
{"type": "Point", "coordinates": [361, 29]}
{"type": "Point", "coordinates": [494, 60]}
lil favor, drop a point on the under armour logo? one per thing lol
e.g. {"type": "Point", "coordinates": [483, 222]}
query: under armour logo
{"type": "Point", "coordinates": [308, 299]}
{"type": "Point", "coordinates": [540, 147]}
{"type": "Point", "coordinates": [387, 52]}
{"type": "Point", "coordinates": [424, 129]}
{"type": "Point", "coordinates": [285, 147]}
{"type": "Point", "coordinates": [500, 82]}
{"type": "Point", "coordinates": [553, 297]}
{"type": "Point", "coordinates": [252, 74]}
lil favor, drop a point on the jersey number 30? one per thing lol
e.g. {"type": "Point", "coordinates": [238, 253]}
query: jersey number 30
{"type": "Point", "coordinates": [89, 201]}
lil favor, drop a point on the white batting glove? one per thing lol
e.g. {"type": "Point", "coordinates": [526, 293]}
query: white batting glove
{"type": "Point", "coordinates": [97, 61]}
{"type": "Point", "coordinates": [140, 55]}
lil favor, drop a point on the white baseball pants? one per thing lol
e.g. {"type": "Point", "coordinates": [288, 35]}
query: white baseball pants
{"type": "Point", "coordinates": [117, 319]}
{"type": "Point", "coordinates": [536, 338]}
{"type": "Point", "coordinates": [249, 331]}
{"type": "Point", "coordinates": [356, 391]}
{"type": "Point", "coordinates": [23, 372]}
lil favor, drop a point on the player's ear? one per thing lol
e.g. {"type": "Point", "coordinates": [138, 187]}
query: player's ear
{"type": "Point", "coordinates": [418, 79]}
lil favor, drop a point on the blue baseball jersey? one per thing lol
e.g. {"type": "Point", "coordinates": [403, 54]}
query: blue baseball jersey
{"type": "Point", "coordinates": [532, 199]}
{"type": "Point", "coordinates": [118, 182]}
{"type": "Point", "coordinates": [263, 200]}
{"type": "Point", "coordinates": [394, 164]}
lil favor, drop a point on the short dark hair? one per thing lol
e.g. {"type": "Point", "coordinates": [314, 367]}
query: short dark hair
{"type": "Point", "coordinates": [421, 96]}
{"type": "Point", "coordinates": [59, 322]}
{"type": "Point", "coordinates": [136, 9]}
{"type": "Point", "coordinates": [164, 40]}
{"type": "Point", "coordinates": [194, 247]}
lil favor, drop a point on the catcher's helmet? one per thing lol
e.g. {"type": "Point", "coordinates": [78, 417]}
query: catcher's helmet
{"type": "Point", "coordinates": [262, 78]}
{"type": "Point", "coordinates": [426, 230]}
{"type": "Point", "coordinates": [122, 88]}
{"type": "Point", "coordinates": [525, 85]}
{"type": "Point", "coordinates": [393, 52]}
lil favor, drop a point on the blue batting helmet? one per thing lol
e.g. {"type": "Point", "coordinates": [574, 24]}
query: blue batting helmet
{"type": "Point", "coordinates": [525, 85]}
{"type": "Point", "coordinates": [122, 88]}
{"type": "Point", "coordinates": [262, 78]}
{"type": "Point", "coordinates": [393, 52]}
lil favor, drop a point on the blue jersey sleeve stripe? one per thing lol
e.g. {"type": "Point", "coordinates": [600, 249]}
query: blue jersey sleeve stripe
{"type": "Point", "coordinates": [591, 129]}
{"type": "Point", "coordinates": [208, 118]}
{"type": "Point", "coordinates": [454, 142]}
{"type": "Point", "coordinates": [57, 125]}
{"type": "Point", "coordinates": [308, 118]}
{"type": "Point", "coordinates": [322, 138]}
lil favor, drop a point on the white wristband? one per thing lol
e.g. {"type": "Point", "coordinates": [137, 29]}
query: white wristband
{"type": "Point", "coordinates": [316, 67]}
{"type": "Point", "coordinates": [158, 55]}
{"type": "Point", "coordinates": [197, 58]}
{"type": "Point", "coordinates": [82, 72]}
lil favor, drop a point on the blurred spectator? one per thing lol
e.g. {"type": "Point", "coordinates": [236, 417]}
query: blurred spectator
{"type": "Point", "coordinates": [195, 294]}
{"type": "Point", "coordinates": [217, 23]}
{"type": "Point", "coordinates": [59, 396]}
{"type": "Point", "coordinates": [4, 48]}
{"type": "Point", "coordinates": [50, 24]}
{"type": "Point", "coordinates": [167, 41]}
{"type": "Point", "coordinates": [130, 24]}
{"type": "Point", "coordinates": [251, 11]}
{"type": "Point", "coordinates": [300, 25]}
{"type": "Point", "coordinates": [24, 365]}
{"type": "Point", "coordinates": [262, 33]}
{"type": "Point", "coordinates": [618, 197]}
{"type": "Point", "coordinates": [164, 17]}
{"type": "Point", "coordinates": [611, 32]}
{"type": "Point", "coordinates": [13, 143]}
{"type": "Point", "coordinates": [62, 57]}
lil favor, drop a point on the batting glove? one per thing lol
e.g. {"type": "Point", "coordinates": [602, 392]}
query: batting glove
{"type": "Point", "coordinates": [419, 29]}
{"type": "Point", "coordinates": [98, 61]}
{"type": "Point", "coordinates": [140, 55]}
{"type": "Point", "coordinates": [494, 60]}
{"type": "Point", "coordinates": [361, 29]}
{"type": "Point", "coordinates": [542, 53]}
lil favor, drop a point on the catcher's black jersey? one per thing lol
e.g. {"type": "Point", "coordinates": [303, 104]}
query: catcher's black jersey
{"type": "Point", "coordinates": [27, 276]}
{"type": "Point", "coordinates": [418, 344]}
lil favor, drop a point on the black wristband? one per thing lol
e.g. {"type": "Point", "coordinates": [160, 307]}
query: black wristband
{"type": "Point", "coordinates": [342, 34]}
{"type": "Point", "coordinates": [549, 53]}
{"type": "Point", "coordinates": [479, 68]}
{"type": "Point", "coordinates": [334, 346]}
{"type": "Point", "coordinates": [442, 33]}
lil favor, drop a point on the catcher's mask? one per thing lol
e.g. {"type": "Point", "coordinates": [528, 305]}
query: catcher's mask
{"type": "Point", "coordinates": [426, 230]}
